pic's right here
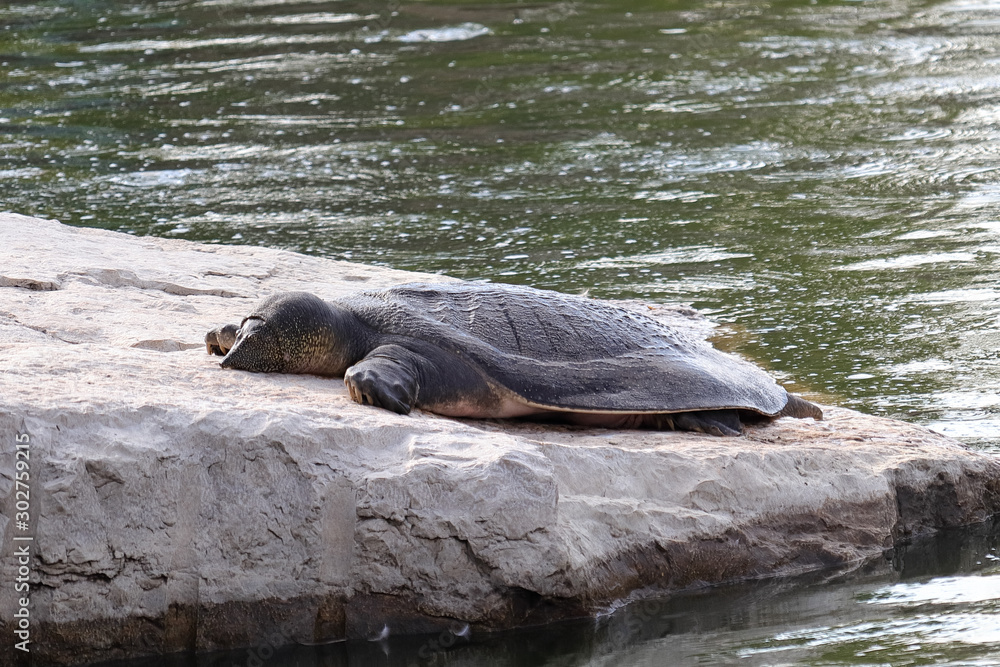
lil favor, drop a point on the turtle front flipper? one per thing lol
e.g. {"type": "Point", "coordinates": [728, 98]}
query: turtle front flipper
{"type": "Point", "coordinates": [386, 378]}
{"type": "Point", "coordinates": [221, 339]}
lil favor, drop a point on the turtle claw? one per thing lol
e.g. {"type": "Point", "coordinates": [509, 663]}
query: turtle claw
{"type": "Point", "coordinates": [220, 340]}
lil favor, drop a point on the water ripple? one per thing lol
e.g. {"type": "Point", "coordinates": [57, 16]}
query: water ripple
{"type": "Point", "coordinates": [942, 591]}
{"type": "Point", "coordinates": [909, 261]}
{"type": "Point", "coordinates": [309, 19]}
{"type": "Point", "coordinates": [689, 255]}
{"type": "Point", "coordinates": [150, 46]}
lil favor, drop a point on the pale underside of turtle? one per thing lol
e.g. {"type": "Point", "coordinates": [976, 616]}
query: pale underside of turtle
{"type": "Point", "coordinates": [497, 351]}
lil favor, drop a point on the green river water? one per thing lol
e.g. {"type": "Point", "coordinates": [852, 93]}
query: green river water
{"type": "Point", "coordinates": [820, 177]}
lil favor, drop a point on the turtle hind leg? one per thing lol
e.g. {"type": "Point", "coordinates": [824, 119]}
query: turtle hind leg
{"type": "Point", "coordinates": [712, 422]}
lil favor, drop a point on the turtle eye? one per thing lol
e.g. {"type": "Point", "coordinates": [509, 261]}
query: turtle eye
{"type": "Point", "coordinates": [246, 331]}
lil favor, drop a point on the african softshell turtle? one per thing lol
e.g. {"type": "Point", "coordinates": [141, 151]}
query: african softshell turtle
{"type": "Point", "coordinates": [494, 351]}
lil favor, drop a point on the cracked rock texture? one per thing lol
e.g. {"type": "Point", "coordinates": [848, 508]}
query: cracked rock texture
{"type": "Point", "coordinates": [176, 506]}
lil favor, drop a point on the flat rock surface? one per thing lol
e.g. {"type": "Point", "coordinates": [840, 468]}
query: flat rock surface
{"type": "Point", "coordinates": [176, 506]}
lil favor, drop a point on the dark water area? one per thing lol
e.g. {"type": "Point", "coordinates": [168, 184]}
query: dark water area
{"type": "Point", "coordinates": [934, 602]}
{"type": "Point", "coordinates": [821, 177]}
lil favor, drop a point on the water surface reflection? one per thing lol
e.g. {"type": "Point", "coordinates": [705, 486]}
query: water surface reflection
{"type": "Point", "coordinates": [936, 602]}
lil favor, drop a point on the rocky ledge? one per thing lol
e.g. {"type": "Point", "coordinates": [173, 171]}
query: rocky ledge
{"type": "Point", "coordinates": [175, 506]}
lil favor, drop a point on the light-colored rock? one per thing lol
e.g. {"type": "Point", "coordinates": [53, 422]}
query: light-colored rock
{"type": "Point", "coordinates": [178, 506]}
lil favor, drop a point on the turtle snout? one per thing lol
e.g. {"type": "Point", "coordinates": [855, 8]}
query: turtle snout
{"type": "Point", "coordinates": [256, 349]}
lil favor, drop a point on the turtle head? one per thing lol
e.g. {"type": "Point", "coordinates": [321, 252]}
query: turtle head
{"type": "Point", "coordinates": [257, 348]}
{"type": "Point", "coordinates": [297, 332]}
